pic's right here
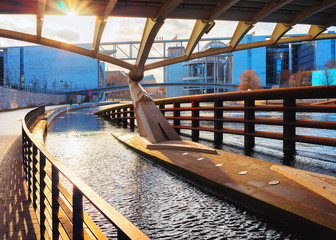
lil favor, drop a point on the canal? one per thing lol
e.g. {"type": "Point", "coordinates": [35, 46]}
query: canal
{"type": "Point", "coordinates": [161, 204]}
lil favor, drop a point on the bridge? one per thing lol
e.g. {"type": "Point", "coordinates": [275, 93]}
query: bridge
{"type": "Point", "coordinates": [65, 216]}
{"type": "Point", "coordinates": [146, 85]}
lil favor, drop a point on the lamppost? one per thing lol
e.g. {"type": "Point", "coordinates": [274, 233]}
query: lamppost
{"type": "Point", "coordinates": [61, 81]}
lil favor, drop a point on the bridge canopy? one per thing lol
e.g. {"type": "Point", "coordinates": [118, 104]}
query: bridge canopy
{"type": "Point", "coordinates": [286, 13]}
{"type": "Point", "coordinates": [244, 10]}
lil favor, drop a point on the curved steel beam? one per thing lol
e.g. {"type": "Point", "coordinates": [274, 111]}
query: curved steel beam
{"type": "Point", "coordinates": [152, 27]}
{"type": "Point", "coordinates": [41, 5]}
{"type": "Point", "coordinates": [239, 47]}
{"type": "Point", "coordinates": [100, 25]}
{"type": "Point", "coordinates": [63, 46]}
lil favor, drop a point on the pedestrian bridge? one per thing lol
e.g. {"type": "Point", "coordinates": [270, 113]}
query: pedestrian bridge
{"type": "Point", "coordinates": [226, 87]}
{"type": "Point", "coordinates": [285, 13]}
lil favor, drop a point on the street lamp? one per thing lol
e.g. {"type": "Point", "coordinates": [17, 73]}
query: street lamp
{"type": "Point", "coordinates": [61, 84]}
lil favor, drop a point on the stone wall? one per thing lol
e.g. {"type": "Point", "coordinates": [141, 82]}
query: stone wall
{"type": "Point", "coordinates": [12, 99]}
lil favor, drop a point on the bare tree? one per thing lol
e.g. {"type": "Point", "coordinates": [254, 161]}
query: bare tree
{"type": "Point", "coordinates": [328, 76]}
{"type": "Point", "coordinates": [66, 85]}
{"type": "Point", "coordinates": [8, 78]}
{"type": "Point", "coordinates": [34, 83]}
{"type": "Point", "coordinates": [54, 85]}
{"type": "Point", "coordinates": [249, 79]}
{"type": "Point", "coordinates": [44, 83]}
{"type": "Point", "coordinates": [330, 64]}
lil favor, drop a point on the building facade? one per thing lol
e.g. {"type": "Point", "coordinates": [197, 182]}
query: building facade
{"type": "Point", "coordinates": [41, 68]}
{"type": "Point", "coordinates": [174, 73]}
{"type": "Point", "coordinates": [214, 69]}
{"type": "Point", "coordinates": [268, 62]}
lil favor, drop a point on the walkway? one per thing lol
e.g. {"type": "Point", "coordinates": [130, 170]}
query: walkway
{"type": "Point", "coordinates": [17, 216]}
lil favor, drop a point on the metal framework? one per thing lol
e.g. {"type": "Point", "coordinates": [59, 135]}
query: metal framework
{"type": "Point", "coordinates": [286, 13]}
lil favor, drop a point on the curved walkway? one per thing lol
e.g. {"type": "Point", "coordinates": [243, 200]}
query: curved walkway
{"type": "Point", "coordinates": [17, 216]}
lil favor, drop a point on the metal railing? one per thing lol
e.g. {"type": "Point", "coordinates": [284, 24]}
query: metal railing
{"type": "Point", "coordinates": [190, 109]}
{"type": "Point", "coordinates": [59, 211]}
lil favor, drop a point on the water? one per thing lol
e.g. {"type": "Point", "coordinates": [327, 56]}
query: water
{"type": "Point", "coordinates": [161, 204]}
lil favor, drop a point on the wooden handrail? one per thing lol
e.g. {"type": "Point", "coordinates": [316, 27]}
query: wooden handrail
{"type": "Point", "coordinates": [70, 224]}
{"type": "Point", "coordinates": [188, 108]}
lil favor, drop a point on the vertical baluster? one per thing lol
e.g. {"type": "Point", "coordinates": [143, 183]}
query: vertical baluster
{"type": "Point", "coordinates": [249, 114]}
{"type": "Point", "coordinates": [55, 204]}
{"type": "Point", "coordinates": [218, 125]}
{"type": "Point", "coordinates": [24, 146]}
{"type": "Point", "coordinates": [194, 122]}
{"type": "Point", "coordinates": [122, 235]}
{"type": "Point", "coordinates": [177, 113]}
{"type": "Point", "coordinates": [42, 196]}
{"type": "Point", "coordinates": [29, 173]}
{"type": "Point", "coordinates": [77, 221]}
{"type": "Point", "coordinates": [288, 128]}
{"type": "Point", "coordinates": [118, 117]}
{"type": "Point", "coordinates": [161, 106]}
{"type": "Point", "coordinates": [124, 120]}
{"type": "Point", "coordinates": [132, 118]}
{"type": "Point", "coordinates": [34, 176]}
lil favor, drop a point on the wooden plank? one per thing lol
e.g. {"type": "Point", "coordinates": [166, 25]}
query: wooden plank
{"type": "Point", "coordinates": [313, 183]}
{"type": "Point", "coordinates": [223, 169]}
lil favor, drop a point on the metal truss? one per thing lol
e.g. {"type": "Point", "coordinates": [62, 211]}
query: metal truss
{"type": "Point", "coordinates": [313, 12]}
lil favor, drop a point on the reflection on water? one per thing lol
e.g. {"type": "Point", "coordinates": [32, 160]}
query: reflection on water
{"type": "Point", "coordinates": [162, 205]}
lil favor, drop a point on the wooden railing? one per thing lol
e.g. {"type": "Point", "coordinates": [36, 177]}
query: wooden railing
{"type": "Point", "coordinates": [60, 212]}
{"type": "Point", "coordinates": [191, 108]}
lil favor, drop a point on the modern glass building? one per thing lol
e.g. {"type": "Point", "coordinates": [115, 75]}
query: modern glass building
{"type": "Point", "coordinates": [268, 62]}
{"type": "Point", "coordinates": [174, 73]}
{"type": "Point", "coordinates": [43, 68]}
{"type": "Point", "coordinates": [250, 59]}
{"type": "Point", "coordinates": [214, 69]}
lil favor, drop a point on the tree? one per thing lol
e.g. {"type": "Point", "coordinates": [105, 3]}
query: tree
{"type": "Point", "coordinates": [54, 85]}
{"type": "Point", "coordinates": [285, 77]}
{"type": "Point", "coordinates": [34, 83]}
{"type": "Point", "coordinates": [300, 79]}
{"type": "Point", "coordinates": [66, 86]}
{"type": "Point", "coordinates": [44, 83]}
{"type": "Point", "coordinates": [328, 77]}
{"type": "Point", "coordinates": [249, 79]}
{"type": "Point", "coordinates": [8, 78]}
{"type": "Point", "coordinates": [330, 64]}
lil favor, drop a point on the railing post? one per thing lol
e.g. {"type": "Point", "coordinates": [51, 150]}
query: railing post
{"type": "Point", "coordinates": [195, 123]}
{"type": "Point", "coordinates": [249, 114]}
{"type": "Point", "coordinates": [55, 204]}
{"type": "Point", "coordinates": [112, 116]}
{"type": "Point", "coordinates": [132, 118]}
{"type": "Point", "coordinates": [77, 221]}
{"type": "Point", "coordinates": [218, 124]}
{"type": "Point", "coordinates": [124, 121]}
{"type": "Point", "coordinates": [42, 196]}
{"type": "Point", "coordinates": [34, 176]}
{"type": "Point", "coordinates": [288, 128]}
{"type": "Point", "coordinates": [176, 114]}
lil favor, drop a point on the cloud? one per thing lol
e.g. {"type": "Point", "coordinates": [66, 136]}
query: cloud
{"type": "Point", "coordinates": [66, 35]}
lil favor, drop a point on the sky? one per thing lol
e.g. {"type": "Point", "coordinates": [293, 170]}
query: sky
{"type": "Point", "coordinates": [79, 29]}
